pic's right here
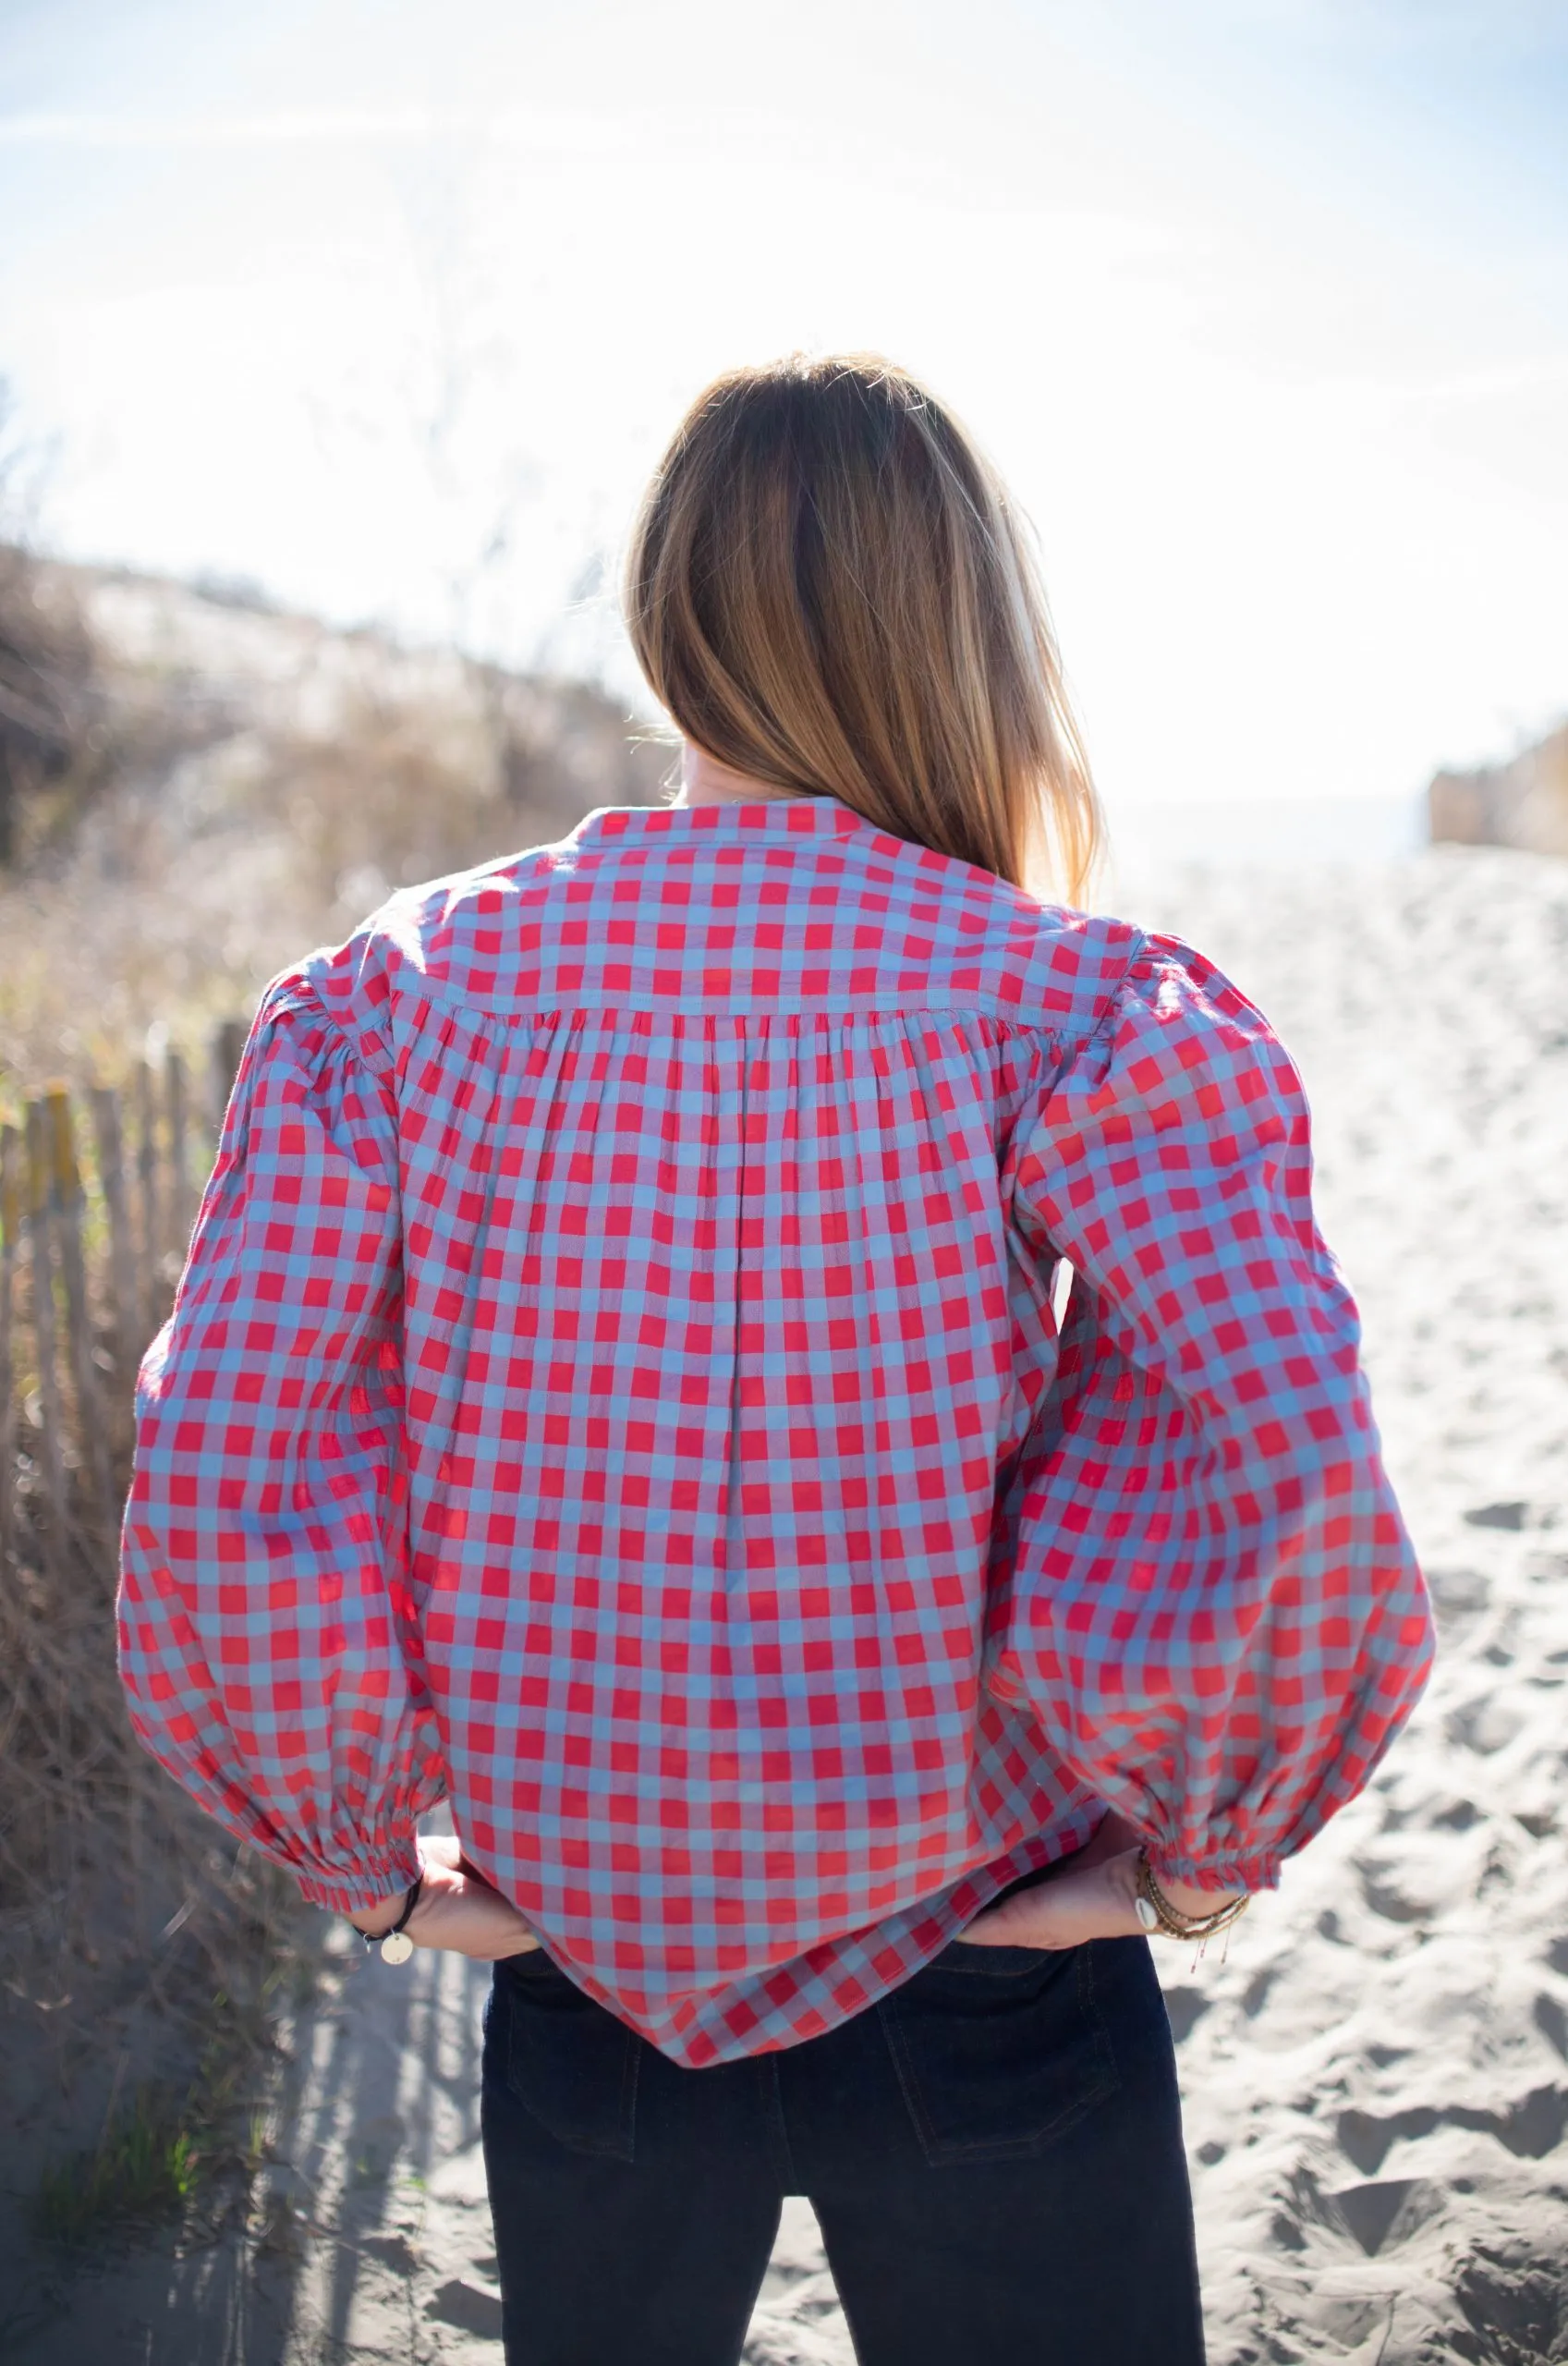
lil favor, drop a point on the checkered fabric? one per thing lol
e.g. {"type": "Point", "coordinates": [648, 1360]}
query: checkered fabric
{"type": "Point", "coordinates": [616, 1385]}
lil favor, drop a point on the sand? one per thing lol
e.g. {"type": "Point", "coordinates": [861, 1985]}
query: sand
{"type": "Point", "coordinates": [1376, 2080]}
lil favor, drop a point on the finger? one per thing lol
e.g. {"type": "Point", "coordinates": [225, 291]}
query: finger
{"type": "Point", "coordinates": [1075, 1886]}
{"type": "Point", "coordinates": [995, 1930]}
{"type": "Point", "coordinates": [492, 1946]}
{"type": "Point", "coordinates": [1094, 1902]}
{"type": "Point", "coordinates": [525, 1944]}
{"type": "Point", "coordinates": [977, 1936]}
{"type": "Point", "coordinates": [462, 1916]}
{"type": "Point", "coordinates": [1006, 1927]}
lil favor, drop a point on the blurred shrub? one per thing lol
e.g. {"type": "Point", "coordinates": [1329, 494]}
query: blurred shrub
{"type": "Point", "coordinates": [51, 736]}
{"type": "Point", "coordinates": [259, 785]}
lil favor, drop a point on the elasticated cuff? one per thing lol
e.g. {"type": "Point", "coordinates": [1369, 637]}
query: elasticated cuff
{"type": "Point", "coordinates": [345, 1890]}
{"type": "Point", "coordinates": [1217, 1873]}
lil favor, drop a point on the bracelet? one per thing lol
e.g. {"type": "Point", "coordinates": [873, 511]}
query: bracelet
{"type": "Point", "coordinates": [1156, 1914]}
{"type": "Point", "coordinates": [395, 1944]}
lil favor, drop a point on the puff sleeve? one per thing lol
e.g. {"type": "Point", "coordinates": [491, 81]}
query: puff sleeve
{"type": "Point", "coordinates": [1213, 1610]}
{"type": "Point", "coordinates": [268, 1638]}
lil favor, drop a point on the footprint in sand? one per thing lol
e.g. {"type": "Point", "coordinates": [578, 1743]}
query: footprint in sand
{"type": "Point", "coordinates": [1510, 1516]}
{"type": "Point", "coordinates": [1486, 1725]}
{"type": "Point", "coordinates": [1460, 1595]}
{"type": "Point", "coordinates": [1388, 2211]}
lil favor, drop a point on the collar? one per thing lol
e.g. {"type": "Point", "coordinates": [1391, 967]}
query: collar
{"type": "Point", "coordinates": [779, 817]}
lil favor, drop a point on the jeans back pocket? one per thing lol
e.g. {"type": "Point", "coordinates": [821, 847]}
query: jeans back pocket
{"type": "Point", "coordinates": [998, 2050]}
{"type": "Point", "coordinates": [571, 2064]}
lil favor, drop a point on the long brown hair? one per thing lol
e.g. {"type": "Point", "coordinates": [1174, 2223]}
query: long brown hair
{"type": "Point", "coordinates": [830, 591]}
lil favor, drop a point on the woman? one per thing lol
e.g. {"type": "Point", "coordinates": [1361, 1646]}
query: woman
{"type": "Point", "coordinates": [796, 1386]}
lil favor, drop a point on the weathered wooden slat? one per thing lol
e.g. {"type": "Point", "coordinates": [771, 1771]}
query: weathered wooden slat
{"type": "Point", "coordinates": [42, 1262]}
{"type": "Point", "coordinates": [67, 1208]}
{"type": "Point", "coordinates": [149, 1209]}
{"type": "Point", "coordinates": [177, 1094]}
{"type": "Point", "coordinates": [124, 1291]}
{"type": "Point", "coordinates": [228, 1049]}
{"type": "Point", "coordinates": [11, 1198]}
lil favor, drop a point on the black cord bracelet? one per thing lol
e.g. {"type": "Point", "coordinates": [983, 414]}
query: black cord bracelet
{"type": "Point", "coordinates": [394, 1945]}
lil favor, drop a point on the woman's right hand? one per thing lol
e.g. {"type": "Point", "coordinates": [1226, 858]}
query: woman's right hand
{"type": "Point", "coordinates": [457, 1912]}
{"type": "Point", "coordinates": [1092, 1895]}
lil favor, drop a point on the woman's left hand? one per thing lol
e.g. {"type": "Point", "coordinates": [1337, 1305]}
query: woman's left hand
{"type": "Point", "coordinates": [1093, 1894]}
{"type": "Point", "coordinates": [457, 1912]}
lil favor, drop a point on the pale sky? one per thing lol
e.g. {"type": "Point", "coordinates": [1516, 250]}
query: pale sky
{"type": "Point", "coordinates": [1261, 306]}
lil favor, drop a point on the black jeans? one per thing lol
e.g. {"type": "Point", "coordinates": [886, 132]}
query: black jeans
{"type": "Point", "coordinates": [994, 2154]}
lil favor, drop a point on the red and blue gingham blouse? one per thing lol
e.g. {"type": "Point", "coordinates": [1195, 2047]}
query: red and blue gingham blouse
{"type": "Point", "coordinates": [618, 1383]}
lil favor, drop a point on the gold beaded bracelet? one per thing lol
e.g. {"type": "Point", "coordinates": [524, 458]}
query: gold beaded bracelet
{"type": "Point", "coordinates": [1157, 1915]}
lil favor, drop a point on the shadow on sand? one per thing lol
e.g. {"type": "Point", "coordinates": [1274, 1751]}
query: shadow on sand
{"type": "Point", "coordinates": [365, 2232]}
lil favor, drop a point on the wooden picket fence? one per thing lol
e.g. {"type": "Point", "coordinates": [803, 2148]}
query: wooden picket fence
{"type": "Point", "coordinates": [123, 1908]}
{"type": "Point", "coordinates": [98, 1187]}
{"type": "Point", "coordinates": [98, 1191]}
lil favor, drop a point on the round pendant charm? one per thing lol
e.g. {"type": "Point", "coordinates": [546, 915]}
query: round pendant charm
{"type": "Point", "coordinates": [396, 1948]}
{"type": "Point", "coordinates": [1146, 1914]}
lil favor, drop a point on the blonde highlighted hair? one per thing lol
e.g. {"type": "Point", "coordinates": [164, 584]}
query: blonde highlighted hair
{"type": "Point", "coordinates": [830, 591]}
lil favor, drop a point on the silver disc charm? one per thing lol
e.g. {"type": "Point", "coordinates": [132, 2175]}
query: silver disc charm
{"type": "Point", "coordinates": [396, 1948]}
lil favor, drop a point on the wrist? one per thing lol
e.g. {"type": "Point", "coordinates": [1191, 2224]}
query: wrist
{"type": "Point", "coordinates": [374, 1921]}
{"type": "Point", "coordinates": [393, 1938]}
{"type": "Point", "coordinates": [1187, 1897]}
{"type": "Point", "coordinates": [1159, 1911]}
